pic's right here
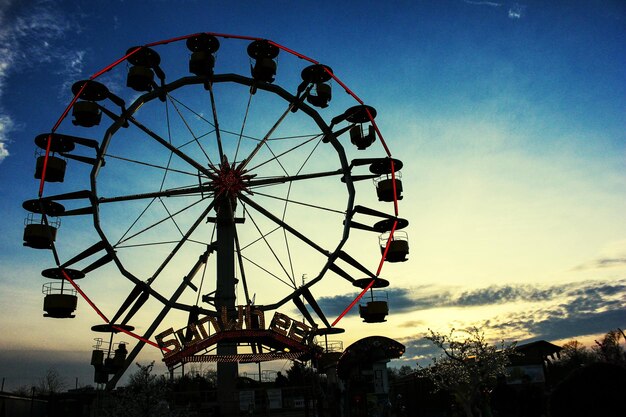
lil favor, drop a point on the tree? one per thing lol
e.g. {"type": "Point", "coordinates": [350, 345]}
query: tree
{"type": "Point", "coordinates": [395, 373]}
{"type": "Point", "coordinates": [405, 370]}
{"type": "Point", "coordinates": [573, 356]}
{"type": "Point", "coordinates": [609, 349]}
{"type": "Point", "coordinates": [144, 396]}
{"type": "Point", "coordinates": [468, 368]}
{"type": "Point", "coordinates": [210, 375]}
{"type": "Point", "coordinates": [51, 383]}
{"type": "Point", "coordinates": [24, 390]}
{"type": "Point", "coordinates": [299, 374]}
{"type": "Point", "coordinates": [575, 353]}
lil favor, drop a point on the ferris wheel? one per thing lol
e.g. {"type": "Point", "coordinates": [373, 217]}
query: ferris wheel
{"type": "Point", "coordinates": [205, 184]}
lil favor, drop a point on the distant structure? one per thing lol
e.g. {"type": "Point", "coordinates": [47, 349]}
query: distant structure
{"type": "Point", "coordinates": [524, 388]}
{"type": "Point", "coordinates": [363, 370]}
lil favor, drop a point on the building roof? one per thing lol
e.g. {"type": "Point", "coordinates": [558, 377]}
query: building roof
{"type": "Point", "coordinates": [535, 352]}
{"type": "Point", "coordinates": [367, 351]}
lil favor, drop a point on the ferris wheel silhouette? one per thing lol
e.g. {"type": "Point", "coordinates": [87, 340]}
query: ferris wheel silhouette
{"type": "Point", "coordinates": [191, 172]}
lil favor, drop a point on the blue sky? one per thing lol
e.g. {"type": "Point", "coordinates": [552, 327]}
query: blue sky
{"type": "Point", "coordinates": [508, 116]}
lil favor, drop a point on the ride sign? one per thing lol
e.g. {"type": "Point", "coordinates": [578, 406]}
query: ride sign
{"type": "Point", "coordinates": [248, 326]}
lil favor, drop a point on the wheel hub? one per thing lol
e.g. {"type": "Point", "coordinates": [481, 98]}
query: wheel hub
{"type": "Point", "coordinates": [229, 181]}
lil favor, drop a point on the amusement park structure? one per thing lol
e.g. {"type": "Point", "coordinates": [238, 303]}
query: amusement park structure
{"type": "Point", "coordinates": [197, 171]}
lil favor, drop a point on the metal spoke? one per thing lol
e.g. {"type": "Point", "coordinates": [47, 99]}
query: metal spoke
{"type": "Point", "coordinates": [135, 222]}
{"type": "Point", "coordinates": [260, 238]}
{"type": "Point", "coordinates": [287, 200]}
{"type": "Point", "coordinates": [171, 216]}
{"type": "Point", "coordinates": [182, 241]}
{"type": "Point", "coordinates": [270, 247]}
{"type": "Point", "coordinates": [285, 233]}
{"type": "Point", "coordinates": [198, 115]}
{"type": "Point", "coordinates": [281, 223]}
{"type": "Point", "coordinates": [282, 180]}
{"type": "Point", "coordinates": [174, 192]}
{"type": "Point", "coordinates": [169, 146]}
{"type": "Point", "coordinates": [258, 147]}
{"type": "Point", "coordinates": [243, 126]}
{"type": "Point", "coordinates": [241, 268]}
{"type": "Point", "coordinates": [167, 242]}
{"type": "Point", "coordinates": [194, 139]}
{"type": "Point", "coordinates": [169, 138]}
{"type": "Point", "coordinates": [166, 168]}
{"type": "Point", "coordinates": [159, 222]}
{"type": "Point", "coordinates": [216, 124]}
{"type": "Point", "coordinates": [204, 272]}
{"type": "Point", "coordinates": [268, 272]}
{"type": "Point", "coordinates": [201, 117]}
{"type": "Point", "coordinates": [191, 132]}
{"type": "Point", "coordinates": [275, 157]}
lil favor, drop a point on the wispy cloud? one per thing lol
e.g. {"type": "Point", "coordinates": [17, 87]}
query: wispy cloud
{"type": "Point", "coordinates": [503, 294]}
{"type": "Point", "coordinates": [71, 70]}
{"type": "Point", "coordinates": [554, 313]}
{"type": "Point", "coordinates": [575, 318]}
{"type": "Point", "coordinates": [517, 11]}
{"type": "Point", "coordinates": [580, 309]}
{"type": "Point", "coordinates": [603, 263]}
{"type": "Point", "coordinates": [333, 306]}
{"type": "Point", "coordinates": [611, 256]}
{"type": "Point", "coordinates": [403, 300]}
{"type": "Point", "coordinates": [514, 10]}
{"type": "Point", "coordinates": [570, 320]}
{"type": "Point", "coordinates": [483, 3]}
{"type": "Point", "coordinates": [30, 36]}
{"type": "Point", "coordinates": [6, 126]}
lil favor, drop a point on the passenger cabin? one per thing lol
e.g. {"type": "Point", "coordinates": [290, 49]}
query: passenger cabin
{"type": "Point", "coordinates": [144, 62]}
{"type": "Point", "coordinates": [104, 366]}
{"type": "Point", "coordinates": [59, 301]}
{"type": "Point", "coordinates": [140, 78]}
{"type": "Point", "coordinates": [360, 139]}
{"type": "Point", "coordinates": [263, 53]}
{"type": "Point", "coordinates": [203, 48]}
{"type": "Point", "coordinates": [385, 187]}
{"type": "Point", "coordinates": [40, 233]}
{"type": "Point", "coordinates": [398, 246]}
{"type": "Point", "coordinates": [86, 113]}
{"type": "Point", "coordinates": [113, 360]}
{"type": "Point", "coordinates": [376, 309]}
{"type": "Point", "coordinates": [322, 96]}
{"type": "Point", "coordinates": [49, 166]}
{"type": "Point", "coordinates": [54, 168]}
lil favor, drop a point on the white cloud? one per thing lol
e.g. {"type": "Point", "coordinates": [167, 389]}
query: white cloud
{"type": "Point", "coordinates": [483, 3]}
{"type": "Point", "coordinates": [516, 11]}
{"type": "Point", "coordinates": [71, 71]}
{"type": "Point", "coordinates": [42, 22]}
{"type": "Point", "coordinates": [6, 125]}
{"type": "Point", "coordinates": [612, 255]}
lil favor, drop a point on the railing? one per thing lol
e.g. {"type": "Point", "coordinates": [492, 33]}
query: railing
{"type": "Point", "coordinates": [398, 235]}
{"type": "Point", "coordinates": [33, 218]}
{"type": "Point", "coordinates": [57, 288]}
{"type": "Point", "coordinates": [397, 175]}
{"type": "Point", "coordinates": [333, 346]}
